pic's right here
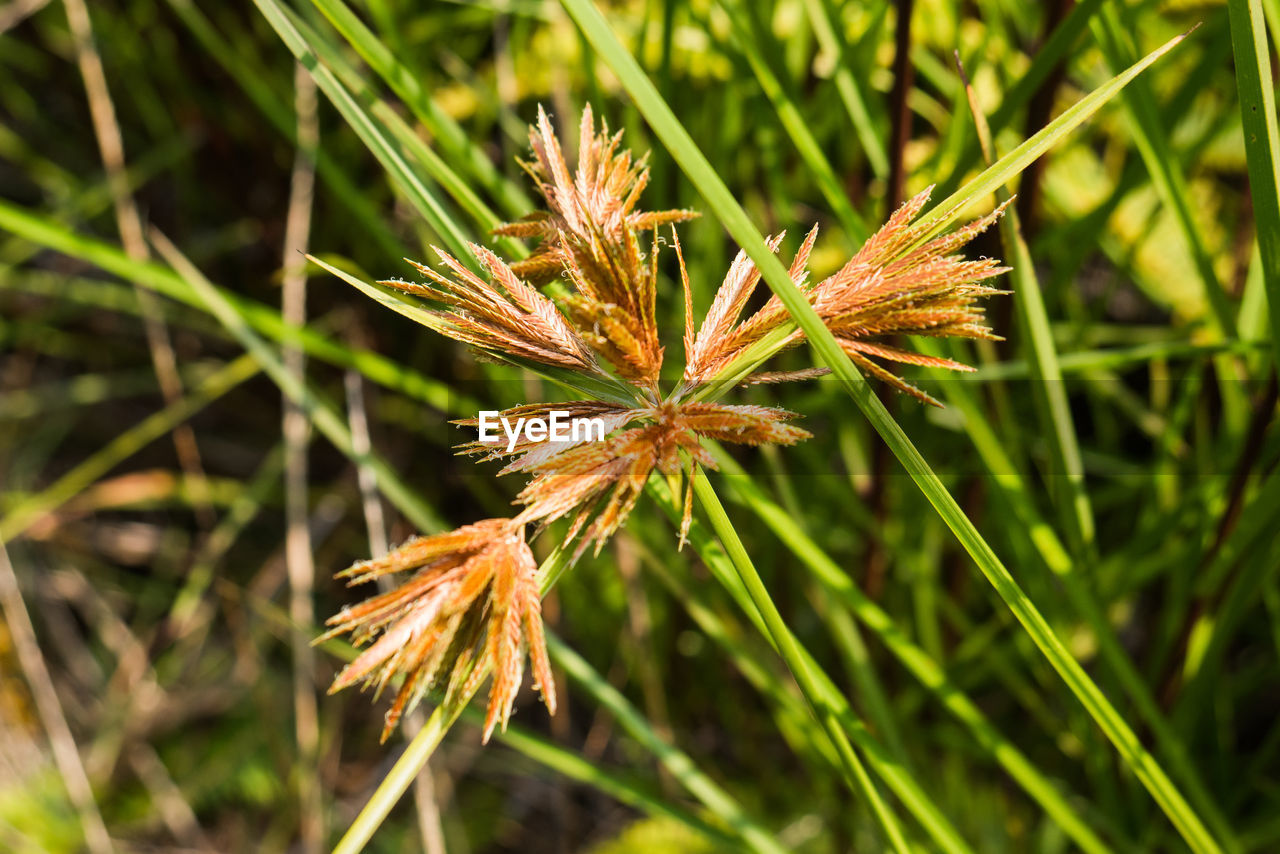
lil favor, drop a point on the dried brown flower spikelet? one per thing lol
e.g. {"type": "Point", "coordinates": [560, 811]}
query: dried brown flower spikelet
{"type": "Point", "coordinates": [505, 316]}
{"type": "Point", "coordinates": [714, 347]}
{"type": "Point", "coordinates": [473, 603]}
{"type": "Point", "coordinates": [474, 598]}
{"type": "Point", "coordinates": [576, 480]}
{"type": "Point", "coordinates": [527, 452]}
{"type": "Point", "coordinates": [589, 234]}
{"type": "Point", "coordinates": [888, 288]}
{"type": "Point", "coordinates": [595, 203]}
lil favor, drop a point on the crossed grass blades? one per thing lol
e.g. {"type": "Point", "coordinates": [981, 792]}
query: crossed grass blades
{"type": "Point", "coordinates": [473, 602]}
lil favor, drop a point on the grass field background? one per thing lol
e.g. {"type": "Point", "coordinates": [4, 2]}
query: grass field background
{"type": "Point", "coordinates": [1042, 618]}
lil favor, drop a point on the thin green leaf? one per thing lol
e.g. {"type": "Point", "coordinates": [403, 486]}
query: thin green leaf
{"type": "Point", "coordinates": [370, 133]}
{"type": "Point", "coordinates": [320, 412]}
{"type": "Point", "coordinates": [739, 225]}
{"type": "Point", "coordinates": [408, 88]}
{"type": "Point", "coordinates": [1261, 144]}
{"type": "Point", "coordinates": [754, 41]}
{"type": "Point", "coordinates": [1152, 141]}
{"type": "Point", "coordinates": [1066, 472]}
{"type": "Point", "coordinates": [29, 511]}
{"type": "Point", "coordinates": [261, 318]}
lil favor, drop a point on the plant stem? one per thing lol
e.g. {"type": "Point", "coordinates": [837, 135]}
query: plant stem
{"type": "Point", "coordinates": [788, 648]}
{"type": "Point", "coordinates": [731, 214]}
{"type": "Point", "coordinates": [398, 779]}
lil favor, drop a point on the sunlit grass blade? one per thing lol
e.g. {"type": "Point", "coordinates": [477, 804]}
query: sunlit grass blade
{"type": "Point", "coordinates": [847, 85]}
{"type": "Point", "coordinates": [255, 84]}
{"type": "Point", "coordinates": [1116, 358]}
{"type": "Point", "coordinates": [320, 412]}
{"type": "Point", "coordinates": [755, 44]}
{"type": "Point", "coordinates": [407, 138]}
{"type": "Point", "coordinates": [1066, 474]}
{"type": "Point", "coordinates": [621, 788]}
{"type": "Point", "coordinates": [906, 788]}
{"type": "Point", "coordinates": [1261, 143]}
{"type": "Point", "coordinates": [1213, 628]}
{"type": "Point", "coordinates": [921, 665]}
{"type": "Point", "coordinates": [1049, 548]}
{"type": "Point", "coordinates": [18, 520]}
{"type": "Point", "coordinates": [407, 87]}
{"type": "Point", "coordinates": [369, 131]}
{"type": "Point", "coordinates": [261, 318]}
{"type": "Point", "coordinates": [1152, 141]}
{"type": "Point", "coordinates": [247, 504]}
{"type": "Point", "coordinates": [789, 649]}
{"type": "Point", "coordinates": [675, 761]}
{"type": "Point", "coordinates": [1046, 58]}
{"type": "Point", "coordinates": [720, 623]}
{"type": "Point", "coordinates": [949, 210]}
{"type": "Point", "coordinates": [735, 219]}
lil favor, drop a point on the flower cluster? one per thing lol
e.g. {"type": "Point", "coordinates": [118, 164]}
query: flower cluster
{"type": "Point", "coordinates": [584, 302]}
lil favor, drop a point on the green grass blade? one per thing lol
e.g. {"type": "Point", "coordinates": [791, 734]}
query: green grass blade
{"type": "Point", "coordinates": [29, 511]}
{"type": "Point", "coordinates": [254, 82]}
{"type": "Point", "coordinates": [739, 225]}
{"type": "Point", "coordinates": [1115, 357]}
{"type": "Point", "coordinates": [1152, 141]}
{"type": "Point", "coordinates": [261, 318]}
{"type": "Point", "coordinates": [370, 133]}
{"type": "Point", "coordinates": [407, 138]}
{"type": "Point", "coordinates": [248, 502]}
{"type": "Point", "coordinates": [405, 84]}
{"type": "Point", "coordinates": [1066, 474]}
{"type": "Point", "coordinates": [1210, 631]}
{"type": "Point", "coordinates": [1046, 58]}
{"type": "Point", "coordinates": [999, 173]}
{"type": "Point", "coordinates": [824, 700]}
{"type": "Point", "coordinates": [319, 412]}
{"type": "Point", "coordinates": [918, 662]}
{"type": "Point", "coordinates": [847, 85]}
{"type": "Point", "coordinates": [718, 622]}
{"type": "Point", "coordinates": [674, 760]}
{"type": "Point", "coordinates": [398, 780]}
{"type": "Point", "coordinates": [716, 557]}
{"type": "Point", "coordinates": [1261, 144]}
{"type": "Point", "coordinates": [622, 789]}
{"type": "Point", "coordinates": [789, 649]}
{"type": "Point", "coordinates": [753, 40]}
{"type": "Point", "coordinates": [1050, 550]}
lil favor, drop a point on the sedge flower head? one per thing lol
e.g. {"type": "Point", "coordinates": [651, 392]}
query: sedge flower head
{"type": "Point", "coordinates": [472, 605]}
{"type": "Point", "coordinates": [583, 305]}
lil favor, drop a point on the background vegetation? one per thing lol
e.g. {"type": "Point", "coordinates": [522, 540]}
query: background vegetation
{"type": "Point", "coordinates": [172, 536]}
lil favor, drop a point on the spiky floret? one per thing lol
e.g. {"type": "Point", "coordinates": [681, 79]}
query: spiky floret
{"type": "Point", "coordinates": [589, 234]}
{"type": "Point", "coordinates": [712, 349]}
{"type": "Point", "coordinates": [504, 316]}
{"type": "Point", "coordinates": [897, 284]}
{"type": "Point", "coordinates": [604, 479]}
{"type": "Point", "coordinates": [472, 605]}
{"type": "Point", "coordinates": [595, 201]}
{"type": "Point", "coordinates": [527, 452]}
